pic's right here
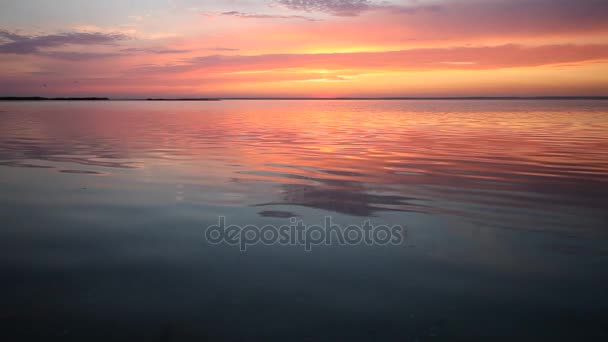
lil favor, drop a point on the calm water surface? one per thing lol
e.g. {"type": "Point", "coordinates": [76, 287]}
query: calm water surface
{"type": "Point", "coordinates": [103, 208]}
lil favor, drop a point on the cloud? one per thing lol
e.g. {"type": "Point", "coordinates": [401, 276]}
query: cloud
{"type": "Point", "coordinates": [159, 51]}
{"type": "Point", "coordinates": [491, 57]}
{"type": "Point", "coordinates": [21, 44]}
{"type": "Point", "coordinates": [79, 56]}
{"type": "Point", "coordinates": [221, 49]}
{"type": "Point", "coordinates": [567, 12]}
{"type": "Point", "coordinates": [168, 51]}
{"type": "Point", "coordinates": [334, 7]}
{"type": "Point", "coordinates": [264, 16]}
{"type": "Point", "coordinates": [10, 36]}
{"type": "Point", "coordinates": [453, 22]}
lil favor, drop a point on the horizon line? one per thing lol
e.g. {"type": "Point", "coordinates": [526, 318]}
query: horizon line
{"type": "Point", "coordinates": [104, 98]}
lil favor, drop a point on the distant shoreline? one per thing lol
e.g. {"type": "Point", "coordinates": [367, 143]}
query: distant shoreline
{"type": "Point", "coordinates": [185, 99]}
{"type": "Point", "coordinates": [39, 98]}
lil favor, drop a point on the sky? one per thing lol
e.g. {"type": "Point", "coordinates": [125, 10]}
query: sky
{"type": "Point", "coordinates": [303, 48]}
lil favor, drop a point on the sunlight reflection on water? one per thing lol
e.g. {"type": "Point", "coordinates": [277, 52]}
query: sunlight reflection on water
{"type": "Point", "coordinates": [491, 162]}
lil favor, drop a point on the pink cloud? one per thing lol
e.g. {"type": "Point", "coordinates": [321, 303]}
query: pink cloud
{"type": "Point", "coordinates": [506, 56]}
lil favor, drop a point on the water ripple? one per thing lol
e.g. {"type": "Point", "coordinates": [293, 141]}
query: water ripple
{"type": "Point", "coordinates": [526, 165]}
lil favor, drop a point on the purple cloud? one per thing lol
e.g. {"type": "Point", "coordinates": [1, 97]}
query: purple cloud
{"type": "Point", "coordinates": [264, 16]}
{"type": "Point", "coordinates": [159, 51]}
{"type": "Point", "coordinates": [78, 56]}
{"type": "Point", "coordinates": [20, 44]}
{"type": "Point", "coordinates": [334, 7]}
{"type": "Point", "coordinates": [563, 10]}
{"type": "Point", "coordinates": [10, 36]}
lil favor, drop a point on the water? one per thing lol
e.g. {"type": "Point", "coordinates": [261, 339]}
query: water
{"type": "Point", "coordinates": [104, 207]}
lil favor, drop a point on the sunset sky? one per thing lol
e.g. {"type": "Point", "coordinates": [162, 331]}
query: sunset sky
{"type": "Point", "coordinates": [308, 48]}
